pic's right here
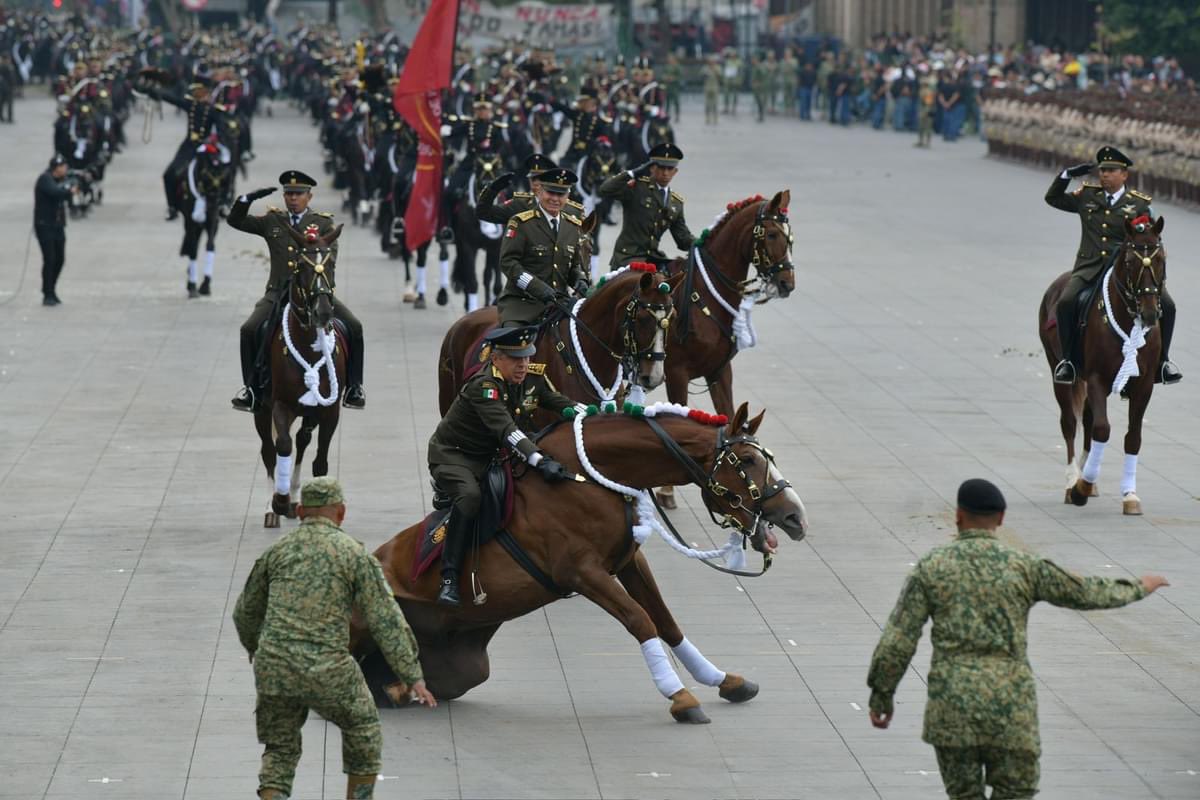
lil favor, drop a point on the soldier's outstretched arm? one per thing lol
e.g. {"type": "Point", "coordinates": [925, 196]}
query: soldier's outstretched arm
{"type": "Point", "coordinates": [898, 644]}
{"type": "Point", "coordinates": [251, 607]}
{"type": "Point", "coordinates": [1055, 585]}
{"type": "Point", "coordinates": [390, 630]}
{"type": "Point", "coordinates": [616, 186]}
{"type": "Point", "coordinates": [239, 216]}
{"type": "Point", "coordinates": [1058, 196]}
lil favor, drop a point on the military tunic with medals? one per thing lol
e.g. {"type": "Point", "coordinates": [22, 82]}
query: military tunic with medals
{"type": "Point", "coordinates": [648, 211]}
{"type": "Point", "coordinates": [538, 261]}
{"type": "Point", "coordinates": [1102, 232]}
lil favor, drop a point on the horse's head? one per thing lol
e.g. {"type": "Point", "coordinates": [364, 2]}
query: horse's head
{"type": "Point", "coordinates": [645, 324]}
{"type": "Point", "coordinates": [771, 246]}
{"type": "Point", "coordinates": [1141, 269]}
{"type": "Point", "coordinates": [312, 275]}
{"type": "Point", "coordinates": [746, 490]}
{"type": "Point", "coordinates": [603, 158]}
{"type": "Point", "coordinates": [587, 242]}
{"type": "Point", "coordinates": [488, 165]}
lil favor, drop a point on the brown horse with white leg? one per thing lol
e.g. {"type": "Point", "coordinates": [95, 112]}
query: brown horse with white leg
{"type": "Point", "coordinates": [308, 374]}
{"type": "Point", "coordinates": [580, 534]}
{"type": "Point", "coordinates": [1126, 307]}
{"type": "Point", "coordinates": [754, 233]}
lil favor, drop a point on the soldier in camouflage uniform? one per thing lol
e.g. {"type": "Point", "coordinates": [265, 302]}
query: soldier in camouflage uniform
{"type": "Point", "coordinates": [982, 708]}
{"type": "Point", "coordinates": [1103, 210]}
{"type": "Point", "coordinates": [490, 412]}
{"type": "Point", "coordinates": [649, 208]}
{"type": "Point", "coordinates": [293, 618]}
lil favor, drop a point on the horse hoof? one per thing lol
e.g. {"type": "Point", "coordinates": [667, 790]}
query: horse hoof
{"type": "Point", "coordinates": [270, 520]}
{"type": "Point", "coordinates": [442, 297]}
{"type": "Point", "coordinates": [666, 500]}
{"type": "Point", "coordinates": [1080, 492]}
{"type": "Point", "coordinates": [1095, 490]}
{"type": "Point", "coordinates": [281, 504]}
{"type": "Point", "coordinates": [737, 689]}
{"type": "Point", "coordinates": [686, 708]}
{"type": "Point", "coordinates": [292, 510]}
{"type": "Point", "coordinates": [1131, 506]}
{"type": "Point", "coordinates": [1067, 497]}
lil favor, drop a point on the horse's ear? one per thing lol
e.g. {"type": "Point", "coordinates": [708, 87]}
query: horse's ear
{"type": "Point", "coordinates": [1158, 225]}
{"type": "Point", "coordinates": [780, 200]}
{"type": "Point", "coordinates": [739, 418]}
{"type": "Point", "coordinates": [297, 236]}
{"type": "Point", "coordinates": [331, 238]}
{"type": "Point", "coordinates": [752, 425]}
{"type": "Point", "coordinates": [589, 224]}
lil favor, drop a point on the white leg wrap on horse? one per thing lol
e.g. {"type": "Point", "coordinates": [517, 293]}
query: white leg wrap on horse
{"type": "Point", "coordinates": [1091, 470]}
{"type": "Point", "coordinates": [421, 280]}
{"type": "Point", "coordinates": [209, 257]}
{"type": "Point", "coordinates": [472, 301]}
{"type": "Point", "coordinates": [283, 474]}
{"type": "Point", "coordinates": [594, 266]}
{"type": "Point", "coordinates": [191, 270]}
{"type": "Point", "coordinates": [1129, 475]}
{"type": "Point", "coordinates": [444, 273]}
{"type": "Point", "coordinates": [701, 668]}
{"type": "Point", "coordinates": [660, 667]}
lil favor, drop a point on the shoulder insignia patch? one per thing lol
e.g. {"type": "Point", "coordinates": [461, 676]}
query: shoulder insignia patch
{"type": "Point", "coordinates": [572, 219]}
{"type": "Point", "coordinates": [489, 390]}
{"type": "Point", "coordinates": [523, 216]}
{"type": "Point", "coordinates": [575, 204]}
{"type": "Point", "coordinates": [537, 369]}
{"type": "Point", "coordinates": [325, 214]}
{"type": "Point", "coordinates": [676, 195]}
{"type": "Point", "coordinates": [1088, 185]}
{"type": "Point", "coordinates": [644, 179]}
{"type": "Point", "coordinates": [274, 210]}
{"type": "Point", "coordinates": [1140, 196]}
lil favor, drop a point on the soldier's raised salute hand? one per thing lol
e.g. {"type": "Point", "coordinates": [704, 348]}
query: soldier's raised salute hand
{"type": "Point", "coordinates": [1152, 582]}
{"type": "Point", "coordinates": [260, 193]}
{"type": "Point", "coordinates": [1080, 169]}
{"type": "Point", "coordinates": [641, 169]}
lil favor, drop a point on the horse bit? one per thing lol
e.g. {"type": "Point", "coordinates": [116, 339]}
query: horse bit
{"type": "Point", "coordinates": [633, 349]}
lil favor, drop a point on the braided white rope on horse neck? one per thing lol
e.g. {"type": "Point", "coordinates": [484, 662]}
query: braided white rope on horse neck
{"type": "Point", "coordinates": [647, 521]}
{"type": "Point", "coordinates": [324, 344]}
{"type": "Point", "coordinates": [742, 327]}
{"type": "Point", "coordinates": [1130, 342]}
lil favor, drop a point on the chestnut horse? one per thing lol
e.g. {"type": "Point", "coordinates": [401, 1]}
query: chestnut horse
{"type": "Point", "coordinates": [1129, 295]}
{"type": "Point", "coordinates": [619, 329]}
{"type": "Point", "coordinates": [304, 345]}
{"type": "Point", "coordinates": [579, 535]}
{"type": "Point", "coordinates": [753, 233]}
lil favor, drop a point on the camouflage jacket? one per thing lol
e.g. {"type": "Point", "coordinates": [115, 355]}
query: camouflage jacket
{"type": "Point", "coordinates": [293, 616]}
{"type": "Point", "coordinates": [979, 592]}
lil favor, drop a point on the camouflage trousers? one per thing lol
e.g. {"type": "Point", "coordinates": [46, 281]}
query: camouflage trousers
{"type": "Point", "coordinates": [340, 695]}
{"type": "Point", "coordinates": [1012, 774]}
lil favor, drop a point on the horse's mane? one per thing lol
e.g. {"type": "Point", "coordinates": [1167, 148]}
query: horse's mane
{"type": "Point", "coordinates": [731, 211]}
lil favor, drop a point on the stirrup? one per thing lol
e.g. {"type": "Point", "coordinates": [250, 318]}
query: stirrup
{"type": "Point", "coordinates": [1060, 367]}
{"type": "Point", "coordinates": [1175, 375]}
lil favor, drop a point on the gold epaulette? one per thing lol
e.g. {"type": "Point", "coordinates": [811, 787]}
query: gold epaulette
{"type": "Point", "coordinates": [274, 210]}
{"type": "Point", "coordinates": [325, 214]}
{"type": "Point", "coordinates": [572, 219]}
{"type": "Point", "coordinates": [1140, 196]}
{"type": "Point", "coordinates": [575, 204]}
{"type": "Point", "coordinates": [522, 195]}
{"type": "Point", "coordinates": [1087, 185]}
{"type": "Point", "coordinates": [537, 369]}
{"type": "Point", "coordinates": [677, 195]}
{"type": "Point", "coordinates": [645, 179]}
{"type": "Point", "coordinates": [523, 216]}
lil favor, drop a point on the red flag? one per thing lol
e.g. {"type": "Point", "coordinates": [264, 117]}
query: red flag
{"type": "Point", "coordinates": [418, 99]}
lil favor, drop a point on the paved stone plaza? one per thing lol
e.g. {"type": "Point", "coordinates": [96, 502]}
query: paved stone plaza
{"type": "Point", "coordinates": [132, 497]}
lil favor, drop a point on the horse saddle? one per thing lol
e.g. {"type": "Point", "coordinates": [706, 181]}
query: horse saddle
{"type": "Point", "coordinates": [495, 510]}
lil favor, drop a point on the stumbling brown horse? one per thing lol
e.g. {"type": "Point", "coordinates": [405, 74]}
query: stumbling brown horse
{"type": "Point", "coordinates": [753, 233]}
{"type": "Point", "coordinates": [1129, 294]}
{"type": "Point", "coordinates": [620, 329]}
{"type": "Point", "coordinates": [579, 535]}
{"type": "Point", "coordinates": [308, 373]}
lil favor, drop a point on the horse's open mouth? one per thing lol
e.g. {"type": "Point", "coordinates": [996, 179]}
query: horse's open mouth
{"type": "Point", "coordinates": [764, 540]}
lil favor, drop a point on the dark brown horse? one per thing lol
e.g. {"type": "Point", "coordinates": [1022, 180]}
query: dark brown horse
{"type": "Point", "coordinates": [578, 534]}
{"type": "Point", "coordinates": [620, 329]}
{"type": "Point", "coordinates": [1130, 294]}
{"type": "Point", "coordinates": [304, 354]}
{"type": "Point", "coordinates": [754, 233]}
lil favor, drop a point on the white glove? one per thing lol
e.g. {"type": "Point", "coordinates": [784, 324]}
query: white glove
{"type": "Point", "coordinates": [200, 210]}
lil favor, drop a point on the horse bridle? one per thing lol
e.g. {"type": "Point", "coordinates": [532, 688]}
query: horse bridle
{"type": "Point", "coordinates": [766, 269]}
{"type": "Point", "coordinates": [711, 487]}
{"type": "Point", "coordinates": [634, 352]}
{"type": "Point", "coordinates": [320, 284]}
{"type": "Point", "coordinates": [1131, 289]}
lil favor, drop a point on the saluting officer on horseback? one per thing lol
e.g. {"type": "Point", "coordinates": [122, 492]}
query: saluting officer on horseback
{"type": "Point", "coordinates": [272, 226]}
{"type": "Point", "coordinates": [481, 133]}
{"type": "Point", "coordinates": [1103, 209]}
{"type": "Point", "coordinates": [650, 208]}
{"type": "Point", "coordinates": [490, 411]}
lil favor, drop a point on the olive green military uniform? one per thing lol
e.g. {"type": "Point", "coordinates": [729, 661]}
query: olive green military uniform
{"type": "Point", "coordinates": [732, 70]}
{"type": "Point", "coordinates": [672, 81]}
{"type": "Point", "coordinates": [649, 211]}
{"type": "Point", "coordinates": [789, 81]}
{"type": "Point", "coordinates": [283, 252]}
{"type": "Point", "coordinates": [926, 109]}
{"type": "Point", "coordinates": [487, 414]}
{"type": "Point", "coordinates": [293, 618]}
{"type": "Point", "coordinates": [760, 86]}
{"type": "Point", "coordinates": [536, 260]}
{"type": "Point", "coordinates": [712, 92]}
{"type": "Point", "coordinates": [982, 706]}
{"type": "Point", "coordinates": [520, 201]}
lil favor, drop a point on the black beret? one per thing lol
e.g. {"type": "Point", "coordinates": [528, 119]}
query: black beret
{"type": "Point", "coordinates": [978, 496]}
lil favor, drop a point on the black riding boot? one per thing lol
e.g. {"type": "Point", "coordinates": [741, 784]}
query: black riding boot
{"type": "Point", "coordinates": [458, 529]}
{"type": "Point", "coordinates": [245, 399]}
{"type": "Point", "coordinates": [1168, 373]}
{"type": "Point", "coordinates": [355, 397]}
{"type": "Point", "coordinates": [1064, 371]}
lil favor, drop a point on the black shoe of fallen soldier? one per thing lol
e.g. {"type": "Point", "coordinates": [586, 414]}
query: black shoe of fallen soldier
{"type": "Point", "coordinates": [206, 286]}
{"type": "Point", "coordinates": [243, 400]}
{"type": "Point", "coordinates": [191, 290]}
{"type": "Point", "coordinates": [448, 596]}
{"type": "Point", "coordinates": [443, 297]}
{"type": "Point", "coordinates": [1170, 373]}
{"type": "Point", "coordinates": [1064, 373]}
{"type": "Point", "coordinates": [355, 397]}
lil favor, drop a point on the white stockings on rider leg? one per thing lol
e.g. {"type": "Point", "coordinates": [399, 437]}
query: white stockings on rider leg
{"type": "Point", "coordinates": [1129, 475]}
{"type": "Point", "coordinates": [701, 668]}
{"type": "Point", "coordinates": [192, 270]}
{"type": "Point", "coordinates": [472, 301]}
{"type": "Point", "coordinates": [209, 257]}
{"type": "Point", "coordinates": [444, 273]}
{"type": "Point", "coordinates": [421, 280]}
{"type": "Point", "coordinates": [1091, 470]}
{"type": "Point", "coordinates": [283, 474]}
{"type": "Point", "coordinates": [660, 667]}
{"type": "Point", "coordinates": [594, 267]}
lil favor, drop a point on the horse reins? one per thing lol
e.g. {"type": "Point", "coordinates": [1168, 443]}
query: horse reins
{"type": "Point", "coordinates": [320, 284]}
